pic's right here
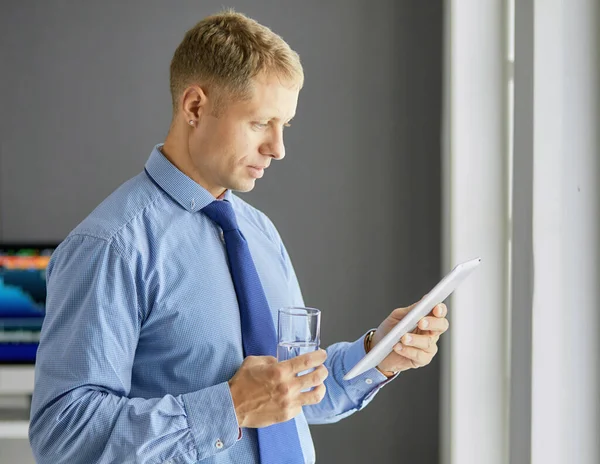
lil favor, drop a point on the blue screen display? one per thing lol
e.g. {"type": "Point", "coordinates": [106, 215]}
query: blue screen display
{"type": "Point", "coordinates": [22, 300]}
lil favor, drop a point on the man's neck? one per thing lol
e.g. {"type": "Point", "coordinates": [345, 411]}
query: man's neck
{"type": "Point", "coordinates": [169, 151]}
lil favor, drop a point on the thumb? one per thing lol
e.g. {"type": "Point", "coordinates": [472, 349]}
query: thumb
{"type": "Point", "coordinates": [399, 313]}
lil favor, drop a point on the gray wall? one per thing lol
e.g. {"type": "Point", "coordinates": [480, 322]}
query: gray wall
{"type": "Point", "coordinates": [84, 92]}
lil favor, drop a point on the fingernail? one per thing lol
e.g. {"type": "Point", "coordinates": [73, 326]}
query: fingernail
{"type": "Point", "coordinates": [425, 324]}
{"type": "Point", "coordinates": [398, 348]}
{"type": "Point", "coordinates": [408, 339]}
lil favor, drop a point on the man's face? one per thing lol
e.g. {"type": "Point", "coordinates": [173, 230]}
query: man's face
{"type": "Point", "coordinates": [231, 151]}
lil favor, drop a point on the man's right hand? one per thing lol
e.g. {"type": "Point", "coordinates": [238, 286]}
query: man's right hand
{"type": "Point", "coordinates": [266, 392]}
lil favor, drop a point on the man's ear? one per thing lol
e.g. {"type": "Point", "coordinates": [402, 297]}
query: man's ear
{"type": "Point", "coordinates": [194, 102]}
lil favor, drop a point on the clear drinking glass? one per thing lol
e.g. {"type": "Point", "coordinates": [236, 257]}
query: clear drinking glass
{"type": "Point", "coordinates": [298, 332]}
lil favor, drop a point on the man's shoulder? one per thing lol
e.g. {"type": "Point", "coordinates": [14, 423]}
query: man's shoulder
{"type": "Point", "coordinates": [118, 209]}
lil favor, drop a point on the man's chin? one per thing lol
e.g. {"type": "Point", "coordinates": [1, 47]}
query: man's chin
{"type": "Point", "coordinates": [243, 187]}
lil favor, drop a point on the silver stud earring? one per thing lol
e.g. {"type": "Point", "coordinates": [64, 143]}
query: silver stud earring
{"type": "Point", "coordinates": [191, 122]}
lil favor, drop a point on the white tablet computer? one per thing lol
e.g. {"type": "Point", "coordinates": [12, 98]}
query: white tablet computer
{"type": "Point", "coordinates": [437, 295]}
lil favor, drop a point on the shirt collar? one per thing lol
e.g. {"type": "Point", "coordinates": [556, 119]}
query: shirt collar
{"type": "Point", "coordinates": [185, 191]}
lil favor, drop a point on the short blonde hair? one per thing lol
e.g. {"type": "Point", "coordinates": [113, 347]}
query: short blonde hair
{"type": "Point", "coordinates": [223, 52]}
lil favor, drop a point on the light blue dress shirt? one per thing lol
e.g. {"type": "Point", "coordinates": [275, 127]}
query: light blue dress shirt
{"type": "Point", "coordinates": [142, 333]}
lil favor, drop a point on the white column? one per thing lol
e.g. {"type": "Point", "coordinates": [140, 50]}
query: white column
{"type": "Point", "coordinates": [566, 234]}
{"type": "Point", "coordinates": [474, 354]}
{"type": "Point", "coordinates": [546, 384]}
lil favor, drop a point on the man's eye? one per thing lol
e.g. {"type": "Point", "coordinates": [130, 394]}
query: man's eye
{"type": "Point", "coordinates": [260, 125]}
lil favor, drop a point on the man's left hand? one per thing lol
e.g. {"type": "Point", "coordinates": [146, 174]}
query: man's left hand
{"type": "Point", "coordinates": [417, 348]}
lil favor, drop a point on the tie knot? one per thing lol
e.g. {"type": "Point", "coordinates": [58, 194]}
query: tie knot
{"type": "Point", "coordinates": [222, 213]}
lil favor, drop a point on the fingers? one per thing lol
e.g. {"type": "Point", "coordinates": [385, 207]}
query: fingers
{"type": "Point", "coordinates": [423, 342]}
{"type": "Point", "coordinates": [418, 356]}
{"type": "Point", "coordinates": [440, 310]}
{"type": "Point", "coordinates": [313, 378]}
{"type": "Point", "coordinates": [434, 324]}
{"type": "Point", "coordinates": [305, 361]}
{"type": "Point", "coordinates": [314, 396]}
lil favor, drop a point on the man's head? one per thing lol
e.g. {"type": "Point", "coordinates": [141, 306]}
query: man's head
{"type": "Point", "coordinates": [234, 87]}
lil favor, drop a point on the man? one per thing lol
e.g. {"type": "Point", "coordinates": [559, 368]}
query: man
{"type": "Point", "coordinates": [157, 343]}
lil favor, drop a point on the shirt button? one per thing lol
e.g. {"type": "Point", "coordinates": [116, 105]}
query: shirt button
{"type": "Point", "coordinates": [369, 381]}
{"type": "Point", "coordinates": [219, 444]}
{"type": "Point", "coordinates": [222, 237]}
{"type": "Point", "coordinates": [193, 203]}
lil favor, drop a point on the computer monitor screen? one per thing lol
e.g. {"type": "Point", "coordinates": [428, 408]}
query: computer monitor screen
{"type": "Point", "coordinates": [22, 300]}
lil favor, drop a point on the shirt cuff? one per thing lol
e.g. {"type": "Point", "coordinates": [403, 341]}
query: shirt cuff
{"type": "Point", "coordinates": [212, 419]}
{"type": "Point", "coordinates": [370, 381]}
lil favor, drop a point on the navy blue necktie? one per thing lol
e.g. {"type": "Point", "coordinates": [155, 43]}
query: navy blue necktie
{"type": "Point", "coordinates": [278, 443]}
